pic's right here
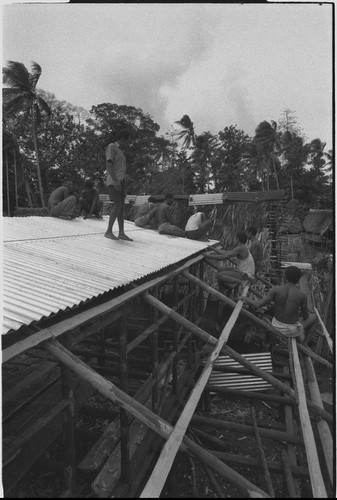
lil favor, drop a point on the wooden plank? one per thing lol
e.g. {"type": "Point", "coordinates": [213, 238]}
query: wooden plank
{"type": "Point", "coordinates": [160, 426]}
{"type": "Point", "coordinates": [159, 475]}
{"type": "Point", "coordinates": [81, 318]}
{"type": "Point", "coordinates": [325, 331]}
{"type": "Point", "coordinates": [265, 469]}
{"type": "Point", "coordinates": [323, 427]}
{"type": "Point", "coordinates": [316, 477]}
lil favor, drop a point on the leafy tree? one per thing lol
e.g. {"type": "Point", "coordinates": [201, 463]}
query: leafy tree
{"type": "Point", "coordinates": [203, 157]}
{"type": "Point", "coordinates": [187, 134]}
{"type": "Point", "coordinates": [288, 122]}
{"type": "Point", "coordinates": [267, 142]}
{"type": "Point", "coordinates": [20, 97]}
{"type": "Point", "coordinates": [233, 166]}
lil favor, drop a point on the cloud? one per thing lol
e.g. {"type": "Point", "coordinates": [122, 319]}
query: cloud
{"type": "Point", "coordinates": [136, 68]}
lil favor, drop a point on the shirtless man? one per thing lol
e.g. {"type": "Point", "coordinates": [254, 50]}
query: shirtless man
{"type": "Point", "coordinates": [255, 248]}
{"type": "Point", "coordinates": [245, 263]}
{"type": "Point", "coordinates": [288, 302]}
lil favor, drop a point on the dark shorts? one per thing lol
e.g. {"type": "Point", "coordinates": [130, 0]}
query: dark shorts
{"type": "Point", "coordinates": [115, 194]}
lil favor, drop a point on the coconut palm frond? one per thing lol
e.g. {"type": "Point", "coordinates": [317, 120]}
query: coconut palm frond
{"type": "Point", "coordinates": [16, 75]}
{"type": "Point", "coordinates": [15, 105]}
{"type": "Point", "coordinates": [45, 108]}
{"type": "Point", "coordinates": [34, 74]}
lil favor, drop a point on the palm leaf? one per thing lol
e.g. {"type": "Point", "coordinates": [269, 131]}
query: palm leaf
{"type": "Point", "coordinates": [16, 75]}
{"type": "Point", "coordinates": [43, 105]}
{"type": "Point", "coordinates": [34, 74]}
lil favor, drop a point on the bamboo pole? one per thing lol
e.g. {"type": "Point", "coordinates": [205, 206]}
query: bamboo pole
{"type": "Point", "coordinates": [288, 475]}
{"type": "Point", "coordinates": [325, 331]}
{"type": "Point", "coordinates": [157, 424]}
{"type": "Point", "coordinates": [163, 466]}
{"type": "Point", "coordinates": [316, 478]}
{"type": "Point", "coordinates": [15, 179]}
{"type": "Point", "coordinates": [123, 380]}
{"type": "Point", "coordinates": [7, 185]}
{"type": "Point", "coordinates": [265, 469]}
{"type": "Point", "coordinates": [254, 318]}
{"type": "Point", "coordinates": [291, 448]}
{"type": "Point", "coordinates": [69, 436]}
{"type": "Point", "coordinates": [323, 428]}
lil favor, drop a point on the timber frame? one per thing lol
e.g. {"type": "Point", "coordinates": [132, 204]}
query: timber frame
{"type": "Point", "coordinates": [173, 355]}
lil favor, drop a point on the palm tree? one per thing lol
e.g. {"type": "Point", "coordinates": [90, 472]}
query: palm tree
{"type": "Point", "coordinates": [330, 160]}
{"type": "Point", "coordinates": [20, 95]}
{"type": "Point", "coordinates": [187, 133]}
{"type": "Point", "coordinates": [266, 140]}
{"type": "Point", "coordinates": [203, 157]}
{"type": "Point", "coordinates": [295, 153]}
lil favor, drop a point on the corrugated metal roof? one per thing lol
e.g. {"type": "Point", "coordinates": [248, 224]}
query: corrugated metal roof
{"type": "Point", "coordinates": [51, 264]}
{"type": "Point", "coordinates": [241, 381]}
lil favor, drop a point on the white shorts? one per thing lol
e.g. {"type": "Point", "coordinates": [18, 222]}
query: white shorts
{"type": "Point", "coordinates": [288, 330]}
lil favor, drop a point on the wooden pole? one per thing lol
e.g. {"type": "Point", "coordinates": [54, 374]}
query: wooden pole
{"type": "Point", "coordinates": [316, 477]}
{"type": "Point", "coordinates": [69, 436]}
{"type": "Point", "coordinates": [157, 424]}
{"type": "Point", "coordinates": [158, 477]}
{"type": "Point", "coordinates": [236, 393]}
{"type": "Point", "coordinates": [254, 318]}
{"type": "Point", "coordinates": [265, 469]}
{"type": "Point", "coordinates": [15, 178]}
{"type": "Point", "coordinates": [323, 428]}
{"type": "Point", "coordinates": [291, 448]}
{"type": "Point", "coordinates": [7, 185]}
{"type": "Point", "coordinates": [154, 356]}
{"type": "Point", "coordinates": [325, 331]}
{"type": "Point", "coordinates": [123, 380]}
{"type": "Point", "coordinates": [288, 475]}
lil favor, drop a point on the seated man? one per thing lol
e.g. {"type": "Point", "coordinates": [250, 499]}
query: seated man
{"type": "Point", "coordinates": [164, 218]}
{"type": "Point", "coordinates": [90, 203]}
{"type": "Point", "coordinates": [142, 217]}
{"type": "Point", "coordinates": [197, 226]}
{"type": "Point", "coordinates": [255, 248]}
{"type": "Point", "coordinates": [288, 302]}
{"type": "Point", "coordinates": [231, 276]}
{"type": "Point", "coordinates": [61, 202]}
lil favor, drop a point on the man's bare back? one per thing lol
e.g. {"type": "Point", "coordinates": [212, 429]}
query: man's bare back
{"type": "Point", "coordinates": [288, 302]}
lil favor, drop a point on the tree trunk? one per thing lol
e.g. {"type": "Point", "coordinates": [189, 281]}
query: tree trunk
{"type": "Point", "coordinates": [37, 162]}
{"type": "Point", "coordinates": [275, 173]}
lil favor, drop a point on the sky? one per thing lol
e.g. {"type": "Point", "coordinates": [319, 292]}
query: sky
{"type": "Point", "coordinates": [221, 64]}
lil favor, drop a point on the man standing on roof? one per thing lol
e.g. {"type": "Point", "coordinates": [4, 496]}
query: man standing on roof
{"type": "Point", "coordinates": [61, 202]}
{"type": "Point", "coordinates": [115, 181]}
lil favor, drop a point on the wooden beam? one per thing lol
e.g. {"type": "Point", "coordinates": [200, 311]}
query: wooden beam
{"type": "Point", "coordinates": [323, 427]}
{"type": "Point", "coordinates": [316, 477]}
{"type": "Point", "coordinates": [265, 469]}
{"type": "Point", "coordinates": [64, 326]}
{"type": "Point", "coordinates": [163, 466]}
{"type": "Point", "coordinates": [157, 424]}
{"type": "Point", "coordinates": [325, 331]}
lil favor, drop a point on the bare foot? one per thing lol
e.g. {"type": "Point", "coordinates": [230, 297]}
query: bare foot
{"type": "Point", "coordinates": [124, 237]}
{"type": "Point", "coordinates": [111, 236]}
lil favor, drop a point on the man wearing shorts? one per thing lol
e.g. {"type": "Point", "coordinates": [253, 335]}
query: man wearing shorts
{"type": "Point", "coordinates": [115, 181]}
{"type": "Point", "coordinates": [289, 302]}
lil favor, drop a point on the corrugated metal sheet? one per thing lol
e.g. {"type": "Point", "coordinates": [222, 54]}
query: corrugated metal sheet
{"type": "Point", "coordinates": [51, 264]}
{"type": "Point", "coordinates": [240, 381]}
{"type": "Point", "coordinates": [206, 199]}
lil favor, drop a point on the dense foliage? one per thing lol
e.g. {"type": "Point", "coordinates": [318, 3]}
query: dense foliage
{"type": "Point", "coordinates": [54, 141]}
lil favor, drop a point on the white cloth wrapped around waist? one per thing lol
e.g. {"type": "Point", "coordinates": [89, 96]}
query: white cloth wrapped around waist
{"type": "Point", "coordinates": [247, 265]}
{"type": "Point", "coordinates": [288, 330]}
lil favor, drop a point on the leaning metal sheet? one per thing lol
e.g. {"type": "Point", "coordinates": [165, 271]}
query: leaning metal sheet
{"type": "Point", "coordinates": [51, 264]}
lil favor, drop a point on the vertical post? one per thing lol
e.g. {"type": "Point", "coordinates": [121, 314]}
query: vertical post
{"type": "Point", "coordinates": [15, 179]}
{"type": "Point", "coordinates": [101, 360]}
{"type": "Point", "coordinates": [123, 379]}
{"type": "Point", "coordinates": [7, 185]}
{"type": "Point", "coordinates": [175, 337]}
{"type": "Point", "coordinates": [69, 438]}
{"type": "Point", "coordinates": [154, 351]}
{"type": "Point", "coordinates": [200, 308]}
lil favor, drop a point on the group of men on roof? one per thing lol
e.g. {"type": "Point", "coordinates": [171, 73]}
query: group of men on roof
{"type": "Point", "coordinates": [288, 300]}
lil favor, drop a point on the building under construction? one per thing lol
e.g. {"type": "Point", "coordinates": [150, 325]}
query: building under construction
{"type": "Point", "coordinates": [96, 330]}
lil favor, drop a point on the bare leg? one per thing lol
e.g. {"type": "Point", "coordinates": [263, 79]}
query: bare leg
{"type": "Point", "coordinates": [113, 216]}
{"type": "Point", "coordinates": [120, 218]}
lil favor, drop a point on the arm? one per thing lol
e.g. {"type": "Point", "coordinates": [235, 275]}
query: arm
{"type": "Point", "coordinates": [262, 302]}
{"type": "Point", "coordinates": [304, 308]}
{"type": "Point", "coordinates": [221, 255]}
{"type": "Point", "coordinates": [110, 157]}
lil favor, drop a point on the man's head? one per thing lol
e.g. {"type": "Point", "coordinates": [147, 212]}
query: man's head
{"type": "Point", "coordinates": [242, 237]}
{"type": "Point", "coordinates": [292, 274]}
{"type": "Point", "coordinates": [124, 138]}
{"type": "Point", "coordinates": [251, 232]}
{"type": "Point", "coordinates": [68, 184]}
{"type": "Point", "coordinates": [151, 199]}
{"type": "Point", "coordinates": [169, 199]}
{"type": "Point", "coordinates": [88, 183]}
